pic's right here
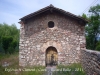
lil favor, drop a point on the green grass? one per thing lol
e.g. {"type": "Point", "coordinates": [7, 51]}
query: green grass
{"type": "Point", "coordinates": [13, 60]}
{"type": "Point", "coordinates": [73, 69]}
{"type": "Point", "coordinates": [15, 69]}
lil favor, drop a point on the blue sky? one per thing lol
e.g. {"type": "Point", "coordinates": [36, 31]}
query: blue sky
{"type": "Point", "coordinates": [12, 10]}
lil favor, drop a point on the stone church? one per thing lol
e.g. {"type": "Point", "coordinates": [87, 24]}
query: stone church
{"type": "Point", "coordinates": [51, 36]}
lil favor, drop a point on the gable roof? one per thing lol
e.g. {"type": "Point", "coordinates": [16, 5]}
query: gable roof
{"type": "Point", "coordinates": [50, 8]}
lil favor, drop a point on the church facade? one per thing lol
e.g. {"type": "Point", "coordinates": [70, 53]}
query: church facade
{"type": "Point", "coordinates": [51, 36]}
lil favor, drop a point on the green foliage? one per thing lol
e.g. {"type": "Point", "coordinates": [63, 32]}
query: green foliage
{"type": "Point", "coordinates": [11, 49]}
{"type": "Point", "coordinates": [9, 37]}
{"type": "Point", "coordinates": [6, 41]}
{"type": "Point", "coordinates": [93, 27]}
{"type": "Point", "coordinates": [13, 61]}
{"type": "Point", "coordinates": [98, 46]}
{"type": "Point", "coordinates": [84, 16]}
{"type": "Point", "coordinates": [13, 44]}
{"type": "Point", "coordinates": [95, 9]}
{"type": "Point", "coordinates": [9, 30]}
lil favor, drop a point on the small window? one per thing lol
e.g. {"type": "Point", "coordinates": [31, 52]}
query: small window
{"type": "Point", "coordinates": [50, 24]}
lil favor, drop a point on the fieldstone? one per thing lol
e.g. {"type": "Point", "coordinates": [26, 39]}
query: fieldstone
{"type": "Point", "coordinates": [89, 61]}
{"type": "Point", "coordinates": [22, 57]}
{"type": "Point", "coordinates": [36, 37]}
{"type": "Point", "coordinates": [27, 41]}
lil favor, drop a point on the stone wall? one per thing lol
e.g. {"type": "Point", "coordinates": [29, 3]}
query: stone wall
{"type": "Point", "coordinates": [91, 62]}
{"type": "Point", "coordinates": [67, 36]}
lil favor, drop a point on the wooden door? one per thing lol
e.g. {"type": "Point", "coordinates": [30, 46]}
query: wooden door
{"type": "Point", "coordinates": [51, 56]}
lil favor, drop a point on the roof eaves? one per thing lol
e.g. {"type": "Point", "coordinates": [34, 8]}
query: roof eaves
{"type": "Point", "coordinates": [71, 15]}
{"type": "Point", "coordinates": [54, 8]}
{"type": "Point", "coordinates": [37, 12]}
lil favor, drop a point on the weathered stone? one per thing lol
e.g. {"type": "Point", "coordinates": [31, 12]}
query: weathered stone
{"type": "Point", "coordinates": [22, 57]}
{"type": "Point", "coordinates": [27, 41]}
{"type": "Point", "coordinates": [36, 37]}
{"type": "Point", "coordinates": [89, 62]}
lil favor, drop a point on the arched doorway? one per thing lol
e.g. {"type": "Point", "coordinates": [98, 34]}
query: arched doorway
{"type": "Point", "coordinates": [51, 56]}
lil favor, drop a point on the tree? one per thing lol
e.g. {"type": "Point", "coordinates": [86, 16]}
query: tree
{"type": "Point", "coordinates": [98, 46]}
{"type": "Point", "coordinates": [6, 41]}
{"type": "Point", "coordinates": [93, 27]}
{"type": "Point", "coordinates": [6, 32]}
{"type": "Point", "coordinates": [11, 48]}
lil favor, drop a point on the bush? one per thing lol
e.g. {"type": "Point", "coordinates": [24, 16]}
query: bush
{"type": "Point", "coordinates": [11, 50]}
{"type": "Point", "coordinates": [72, 69]}
{"type": "Point", "coordinates": [9, 37]}
{"type": "Point", "coordinates": [6, 41]}
{"type": "Point", "coordinates": [98, 48]}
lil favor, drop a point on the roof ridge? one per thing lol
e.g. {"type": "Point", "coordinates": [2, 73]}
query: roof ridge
{"type": "Point", "coordinates": [50, 7]}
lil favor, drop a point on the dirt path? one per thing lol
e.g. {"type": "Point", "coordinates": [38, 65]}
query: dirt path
{"type": "Point", "coordinates": [49, 70]}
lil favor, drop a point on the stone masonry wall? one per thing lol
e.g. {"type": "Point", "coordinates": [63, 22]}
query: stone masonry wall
{"type": "Point", "coordinates": [67, 36]}
{"type": "Point", "coordinates": [91, 62]}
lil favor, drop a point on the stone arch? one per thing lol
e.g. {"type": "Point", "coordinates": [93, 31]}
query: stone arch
{"type": "Point", "coordinates": [51, 56]}
{"type": "Point", "coordinates": [57, 45]}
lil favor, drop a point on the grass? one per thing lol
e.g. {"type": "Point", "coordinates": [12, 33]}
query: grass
{"type": "Point", "coordinates": [15, 69]}
{"type": "Point", "coordinates": [73, 69]}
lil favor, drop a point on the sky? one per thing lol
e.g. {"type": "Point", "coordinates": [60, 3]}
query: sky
{"type": "Point", "coordinates": [12, 10]}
